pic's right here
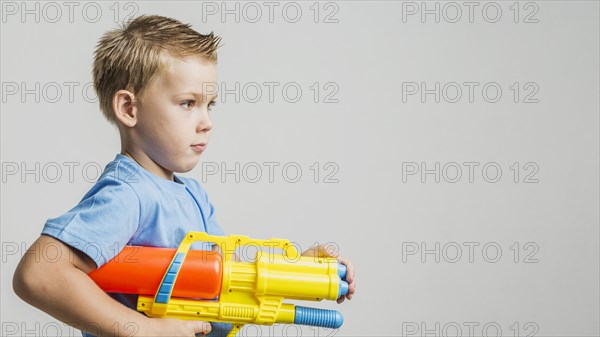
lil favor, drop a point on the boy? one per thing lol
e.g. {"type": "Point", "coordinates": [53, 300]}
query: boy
{"type": "Point", "coordinates": [149, 76]}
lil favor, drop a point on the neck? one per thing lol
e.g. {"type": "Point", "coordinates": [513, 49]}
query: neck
{"type": "Point", "coordinates": [148, 164]}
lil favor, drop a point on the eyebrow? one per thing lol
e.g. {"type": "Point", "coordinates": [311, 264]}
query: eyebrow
{"type": "Point", "coordinates": [197, 94]}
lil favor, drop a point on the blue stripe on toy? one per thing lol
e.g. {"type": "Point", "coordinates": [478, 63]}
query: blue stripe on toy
{"type": "Point", "coordinates": [166, 287]}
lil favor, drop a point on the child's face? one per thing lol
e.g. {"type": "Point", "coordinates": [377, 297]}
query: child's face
{"type": "Point", "coordinates": [174, 123]}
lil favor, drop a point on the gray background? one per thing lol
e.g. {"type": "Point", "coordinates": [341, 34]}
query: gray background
{"type": "Point", "coordinates": [369, 135]}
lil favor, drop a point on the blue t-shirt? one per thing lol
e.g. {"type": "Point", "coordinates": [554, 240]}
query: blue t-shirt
{"type": "Point", "coordinates": [128, 205]}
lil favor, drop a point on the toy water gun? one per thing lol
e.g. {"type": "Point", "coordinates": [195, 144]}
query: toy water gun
{"type": "Point", "coordinates": [212, 286]}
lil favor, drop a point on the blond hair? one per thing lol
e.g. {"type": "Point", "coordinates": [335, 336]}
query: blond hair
{"type": "Point", "coordinates": [131, 56]}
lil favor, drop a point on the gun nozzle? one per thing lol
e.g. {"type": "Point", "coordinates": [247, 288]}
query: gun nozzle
{"type": "Point", "coordinates": [343, 288]}
{"type": "Point", "coordinates": [342, 271]}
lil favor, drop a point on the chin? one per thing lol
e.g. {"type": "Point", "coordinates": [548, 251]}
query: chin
{"type": "Point", "coordinates": [186, 167]}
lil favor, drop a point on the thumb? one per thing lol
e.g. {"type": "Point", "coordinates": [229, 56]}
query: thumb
{"type": "Point", "coordinates": [201, 327]}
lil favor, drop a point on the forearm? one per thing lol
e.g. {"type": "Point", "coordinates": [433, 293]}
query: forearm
{"type": "Point", "coordinates": [64, 291]}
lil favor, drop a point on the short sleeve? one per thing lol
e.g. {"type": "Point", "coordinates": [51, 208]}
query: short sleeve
{"type": "Point", "coordinates": [102, 223]}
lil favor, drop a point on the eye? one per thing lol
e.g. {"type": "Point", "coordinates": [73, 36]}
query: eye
{"type": "Point", "coordinates": [188, 104]}
{"type": "Point", "coordinates": [211, 105]}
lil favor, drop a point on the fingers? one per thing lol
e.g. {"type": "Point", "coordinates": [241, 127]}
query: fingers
{"type": "Point", "coordinates": [323, 250]}
{"type": "Point", "coordinates": [329, 251]}
{"type": "Point", "coordinates": [200, 328]}
{"type": "Point", "coordinates": [351, 290]}
{"type": "Point", "coordinates": [350, 270]}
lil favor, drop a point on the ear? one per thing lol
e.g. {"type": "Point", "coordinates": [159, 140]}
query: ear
{"type": "Point", "coordinates": [124, 107]}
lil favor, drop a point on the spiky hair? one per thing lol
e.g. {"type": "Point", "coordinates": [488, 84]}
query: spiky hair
{"type": "Point", "coordinates": [131, 56]}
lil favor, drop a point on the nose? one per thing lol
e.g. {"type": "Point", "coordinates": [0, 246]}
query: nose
{"type": "Point", "coordinates": [204, 123]}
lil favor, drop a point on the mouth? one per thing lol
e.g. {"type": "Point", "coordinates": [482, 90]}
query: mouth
{"type": "Point", "coordinates": [200, 147]}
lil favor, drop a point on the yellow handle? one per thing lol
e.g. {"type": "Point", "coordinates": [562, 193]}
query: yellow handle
{"type": "Point", "coordinates": [234, 330]}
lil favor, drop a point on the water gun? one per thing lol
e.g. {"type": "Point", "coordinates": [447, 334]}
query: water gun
{"type": "Point", "coordinates": [213, 286]}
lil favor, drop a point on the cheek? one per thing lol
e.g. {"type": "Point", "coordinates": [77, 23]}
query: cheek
{"type": "Point", "coordinates": [176, 136]}
{"type": "Point", "coordinates": [160, 123]}
{"type": "Point", "coordinates": [167, 128]}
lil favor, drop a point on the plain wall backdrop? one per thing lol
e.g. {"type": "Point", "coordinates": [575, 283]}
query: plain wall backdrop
{"type": "Point", "coordinates": [450, 149]}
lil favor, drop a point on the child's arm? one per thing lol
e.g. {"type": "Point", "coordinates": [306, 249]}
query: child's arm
{"type": "Point", "coordinates": [59, 285]}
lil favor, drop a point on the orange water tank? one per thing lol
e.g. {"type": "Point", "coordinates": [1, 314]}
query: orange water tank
{"type": "Point", "coordinates": [139, 270]}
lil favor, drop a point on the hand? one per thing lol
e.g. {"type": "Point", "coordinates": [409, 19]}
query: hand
{"type": "Point", "coordinates": [174, 327]}
{"type": "Point", "coordinates": [329, 251]}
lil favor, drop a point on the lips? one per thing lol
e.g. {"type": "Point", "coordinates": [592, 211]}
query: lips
{"type": "Point", "coordinates": [199, 147]}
